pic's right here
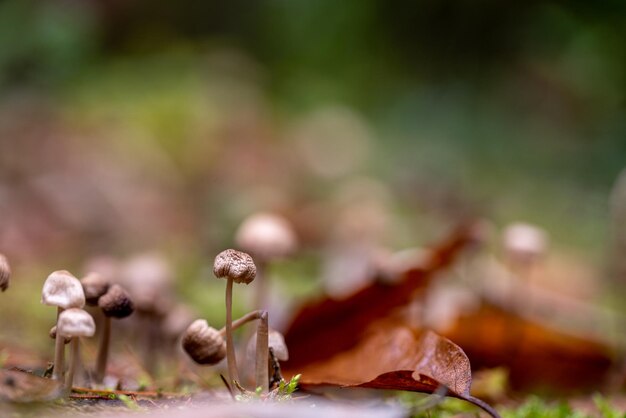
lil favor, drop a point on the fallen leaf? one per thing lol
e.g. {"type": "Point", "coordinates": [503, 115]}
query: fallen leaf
{"type": "Point", "coordinates": [535, 355]}
{"type": "Point", "coordinates": [326, 327]}
{"type": "Point", "coordinates": [19, 386]}
{"type": "Point", "coordinates": [399, 358]}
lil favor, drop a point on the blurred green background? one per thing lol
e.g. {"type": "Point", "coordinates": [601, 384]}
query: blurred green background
{"type": "Point", "coordinates": [128, 125]}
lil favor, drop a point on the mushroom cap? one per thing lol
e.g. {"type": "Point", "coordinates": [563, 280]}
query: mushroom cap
{"type": "Point", "coordinates": [234, 264]}
{"type": "Point", "coordinates": [53, 335]}
{"type": "Point", "coordinates": [204, 344]}
{"type": "Point", "coordinates": [266, 236]}
{"type": "Point", "coordinates": [276, 342]}
{"type": "Point", "coordinates": [5, 273]}
{"type": "Point", "coordinates": [75, 322]}
{"type": "Point", "coordinates": [94, 286]}
{"type": "Point", "coordinates": [63, 290]}
{"type": "Point", "coordinates": [148, 279]}
{"type": "Point", "coordinates": [524, 241]}
{"type": "Point", "coordinates": [116, 302]}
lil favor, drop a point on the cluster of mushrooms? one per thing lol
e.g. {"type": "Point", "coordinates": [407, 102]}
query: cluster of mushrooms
{"type": "Point", "coordinates": [266, 236]}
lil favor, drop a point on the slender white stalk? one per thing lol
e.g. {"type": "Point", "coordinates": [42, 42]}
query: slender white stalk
{"type": "Point", "coordinates": [69, 379]}
{"type": "Point", "coordinates": [230, 348]}
{"type": "Point", "coordinates": [59, 352]}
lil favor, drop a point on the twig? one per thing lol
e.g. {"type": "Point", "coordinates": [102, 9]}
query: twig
{"type": "Point", "coordinates": [228, 388]}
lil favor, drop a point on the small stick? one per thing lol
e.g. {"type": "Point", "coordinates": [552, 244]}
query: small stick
{"type": "Point", "coordinates": [262, 354]}
{"type": "Point", "coordinates": [232, 395]}
{"type": "Point", "coordinates": [250, 316]}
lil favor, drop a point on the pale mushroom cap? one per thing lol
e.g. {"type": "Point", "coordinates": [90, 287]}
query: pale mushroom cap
{"type": "Point", "coordinates": [148, 279]}
{"type": "Point", "coordinates": [276, 342]}
{"type": "Point", "coordinates": [524, 240]}
{"type": "Point", "coordinates": [204, 344]}
{"type": "Point", "coordinates": [63, 290]}
{"type": "Point", "coordinates": [234, 264]}
{"type": "Point", "coordinates": [75, 322]}
{"type": "Point", "coordinates": [267, 236]}
{"type": "Point", "coordinates": [5, 273]}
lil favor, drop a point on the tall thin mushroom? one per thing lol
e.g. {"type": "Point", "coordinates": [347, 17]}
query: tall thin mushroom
{"type": "Point", "coordinates": [74, 323]}
{"type": "Point", "coordinates": [238, 267]}
{"type": "Point", "coordinates": [63, 290]}
{"type": "Point", "coordinates": [116, 303]}
{"type": "Point", "coordinates": [266, 237]}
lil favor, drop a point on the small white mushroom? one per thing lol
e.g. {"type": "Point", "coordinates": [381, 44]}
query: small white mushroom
{"type": "Point", "coordinates": [266, 237]}
{"type": "Point", "coordinates": [74, 323]}
{"type": "Point", "coordinates": [524, 243]}
{"type": "Point", "coordinates": [63, 290]}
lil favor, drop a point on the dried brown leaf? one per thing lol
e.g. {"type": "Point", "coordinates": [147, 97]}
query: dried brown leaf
{"type": "Point", "coordinates": [326, 327]}
{"type": "Point", "coordinates": [19, 386]}
{"type": "Point", "coordinates": [399, 358]}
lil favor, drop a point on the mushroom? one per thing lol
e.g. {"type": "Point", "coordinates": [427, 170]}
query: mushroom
{"type": "Point", "coordinates": [53, 334]}
{"type": "Point", "coordinates": [63, 290]}
{"type": "Point", "coordinates": [115, 303]}
{"type": "Point", "coordinates": [266, 237]}
{"type": "Point", "coordinates": [524, 244]}
{"type": "Point", "coordinates": [235, 266]}
{"type": "Point", "coordinates": [74, 323]}
{"type": "Point", "coordinates": [204, 344]}
{"type": "Point", "coordinates": [5, 273]}
{"type": "Point", "coordinates": [148, 279]}
{"type": "Point", "coordinates": [94, 286]}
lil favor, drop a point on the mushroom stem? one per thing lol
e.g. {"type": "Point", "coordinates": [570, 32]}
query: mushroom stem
{"type": "Point", "coordinates": [262, 354]}
{"type": "Point", "coordinates": [69, 379]}
{"type": "Point", "coordinates": [103, 350]}
{"type": "Point", "coordinates": [59, 352]}
{"type": "Point", "coordinates": [237, 323]}
{"type": "Point", "coordinates": [230, 348]}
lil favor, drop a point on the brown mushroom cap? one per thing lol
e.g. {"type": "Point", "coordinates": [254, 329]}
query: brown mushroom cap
{"type": "Point", "coordinates": [94, 286]}
{"type": "Point", "coordinates": [5, 273]}
{"type": "Point", "coordinates": [53, 335]}
{"type": "Point", "coordinates": [204, 344]}
{"type": "Point", "coordinates": [116, 302]}
{"type": "Point", "coordinates": [235, 264]}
